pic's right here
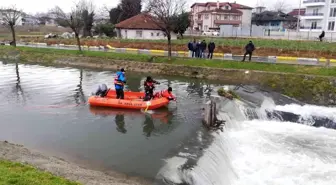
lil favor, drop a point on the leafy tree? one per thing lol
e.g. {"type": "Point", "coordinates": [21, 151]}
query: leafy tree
{"type": "Point", "coordinates": [88, 18]}
{"type": "Point", "coordinates": [125, 10]}
{"type": "Point", "coordinates": [182, 23]}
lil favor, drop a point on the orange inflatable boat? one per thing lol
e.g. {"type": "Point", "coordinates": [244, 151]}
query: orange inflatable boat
{"type": "Point", "coordinates": [133, 100]}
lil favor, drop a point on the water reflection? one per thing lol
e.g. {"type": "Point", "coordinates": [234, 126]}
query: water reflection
{"type": "Point", "coordinates": [162, 115]}
{"type": "Point", "coordinates": [200, 88]}
{"type": "Point", "coordinates": [120, 122]}
{"type": "Point", "coordinates": [79, 94]}
{"type": "Point", "coordinates": [148, 126]}
{"type": "Point", "coordinates": [18, 89]}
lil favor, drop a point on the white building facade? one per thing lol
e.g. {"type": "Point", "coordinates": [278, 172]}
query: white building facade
{"type": "Point", "coordinates": [211, 15]}
{"type": "Point", "coordinates": [320, 15]}
{"type": "Point", "coordinates": [144, 34]}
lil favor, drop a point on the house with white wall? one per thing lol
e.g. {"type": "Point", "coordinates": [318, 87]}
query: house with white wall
{"type": "Point", "coordinates": [320, 15]}
{"type": "Point", "coordinates": [141, 26]}
{"type": "Point", "coordinates": [211, 15]}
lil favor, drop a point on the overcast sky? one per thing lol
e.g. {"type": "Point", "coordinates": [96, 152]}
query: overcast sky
{"type": "Point", "coordinates": [33, 6]}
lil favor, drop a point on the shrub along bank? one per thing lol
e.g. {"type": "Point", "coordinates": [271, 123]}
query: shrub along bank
{"type": "Point", "coordinates": [318, 89]}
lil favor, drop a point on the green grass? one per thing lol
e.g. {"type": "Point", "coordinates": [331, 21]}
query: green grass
{"type": "Point", "coordinates": [48, 55]}
{"type": "Point", "coordinates": [263, 43]}
{"type": "Point", "coordinates": [18, 174]}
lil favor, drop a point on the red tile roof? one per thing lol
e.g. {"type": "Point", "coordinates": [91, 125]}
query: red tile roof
{"type": "Point", "coordinates": [141, 21]}
{"type": "Point", "coordinates": [222, 11]}
{"type": "Point", "coordinates": [295, 12]}
{"type": "Point", "coordinates": [233, 5]}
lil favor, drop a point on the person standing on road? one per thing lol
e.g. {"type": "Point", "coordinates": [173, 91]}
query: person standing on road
{"type": "Point", "coordinates": [249, 48]}
{"type": "Point", "coordinates": [203, 48]}
{"type": "Point", "coordinates": [119, 82]}
{"type": "Point", "coordinates": [194, 49]}
{"type": "Point", "coordinates": [199, 49]}
{"type": "Point", "coordinates": [322, 36]}
{"type": "Point", "coordinates": [190, 48]}
{"type": "Point", "coordinates": [211, 49]}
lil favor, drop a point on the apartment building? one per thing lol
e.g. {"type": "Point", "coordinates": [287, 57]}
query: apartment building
{"type": "Point", "coordinates": [211, 15]}
{"type": "Point", "coordinates": [320, 15]}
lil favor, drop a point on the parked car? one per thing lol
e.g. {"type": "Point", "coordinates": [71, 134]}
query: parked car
{"type": "Point", "coordinates": [210, 33]}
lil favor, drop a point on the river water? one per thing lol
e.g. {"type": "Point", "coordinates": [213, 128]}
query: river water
{"type": "Point", "coordinates": [273, 141]}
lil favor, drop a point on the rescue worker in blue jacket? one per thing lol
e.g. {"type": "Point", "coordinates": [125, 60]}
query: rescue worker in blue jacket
{"type": "Point", "coordinates": [119, 82]}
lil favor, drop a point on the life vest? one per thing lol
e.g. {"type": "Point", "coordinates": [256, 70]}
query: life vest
{"type": "Point", "coordinates": [164, 93]}
{"type": "Point", "coordinates": [117, 81]}
{"type": "Point", "coordinates": [149, 85]}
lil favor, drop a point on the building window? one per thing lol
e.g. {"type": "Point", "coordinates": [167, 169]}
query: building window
{"type": "Point", "coordinates": [199, 17]}
{"type": "Point", "coordinates": [315, 11]}
{"type": "Point", "coordinates": [313, 25]}
{"type": "Point", "coordinates": [218, 17]}
{"type": "Point", "coordinates": [206, 16]}
{"type": "Point", "coordinates": [333, 1]}
{"type": "Point", "coordinates": [138, 34]}
{"type": "Point", "coordinates": [205, 28]}
{"type": "Point", "coordinates": [158, 34]}
{"type": "Point", "coordinates": [226, 17]}
{"type": "Point", "coordinates": [331, 25]}
{"type": "Point", "coordinates": [208, 7]}
{"type": "Point", "coordinates": [152, 34]}
{"type": "Point", "coordinates": [332, 12]}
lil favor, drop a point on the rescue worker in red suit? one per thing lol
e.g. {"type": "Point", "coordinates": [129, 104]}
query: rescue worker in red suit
{"type": "Point", "coordinates": [166, 93]}
{"type": "Point", "coordinates": [149, 86]}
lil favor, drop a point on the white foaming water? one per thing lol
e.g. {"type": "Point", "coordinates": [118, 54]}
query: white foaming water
{"type": "Point", "coordinates": [264, 152]}
{"type": "Point", "coordinates": [307, 111]}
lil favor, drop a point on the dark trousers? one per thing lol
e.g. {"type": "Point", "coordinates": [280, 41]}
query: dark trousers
{"type": "Point", "coordinates": [210, 55]}
{"type": "Point", "coordinates": [120, 93]}
{"type": "Point", "coordinates": [247, 53]}
{"type": "Point", "coordinates": [193, 54]}
{"type": "Point", "coordinates": [149, 94]}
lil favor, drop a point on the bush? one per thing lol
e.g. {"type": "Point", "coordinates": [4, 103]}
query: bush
{"type": "Point", "coordinates": [107, 29]}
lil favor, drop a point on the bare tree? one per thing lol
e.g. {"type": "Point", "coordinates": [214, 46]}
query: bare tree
{"type": "Point", "coordinates": [281, 6]}
{"type": "Point", "coordinates": [164, 13]}
{"type": "Point", "coordinates": [74, 19]}
{"type": "Point", "coordinates": [11, 17]}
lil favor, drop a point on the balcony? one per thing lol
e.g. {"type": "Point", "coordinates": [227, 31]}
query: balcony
{"type": "Point", "coordinates": [314, 2]}
{"type": "Point", "coordinates": [230, 22]}
{"type": "Point", "coordinates": [313, 16]}
{"type": "Point", "coordinates": [306, 28]}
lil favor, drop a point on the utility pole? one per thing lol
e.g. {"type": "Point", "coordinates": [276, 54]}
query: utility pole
{"type": "Point", "coordinates": [298, 19]}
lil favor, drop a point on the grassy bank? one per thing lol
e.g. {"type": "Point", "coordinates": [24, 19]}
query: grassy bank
{"type": "Point", "coordinates": [49, 55]}
{"type": "Point", "coordinates": [16, 173]}
{"type": "Point", "coordinates": [228, 43]}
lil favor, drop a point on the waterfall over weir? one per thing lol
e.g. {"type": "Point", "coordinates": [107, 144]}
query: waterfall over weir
{"type": "Point", "coordinates": [266, 145]}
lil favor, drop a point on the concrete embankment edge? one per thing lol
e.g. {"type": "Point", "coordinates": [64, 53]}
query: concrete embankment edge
{"type": "Point", "coordinates": [60, 167]}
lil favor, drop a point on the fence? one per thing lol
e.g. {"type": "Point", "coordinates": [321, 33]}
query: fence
{"type": "Point", "coordinates": [260, 32]}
